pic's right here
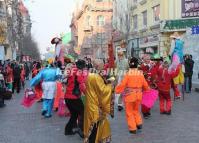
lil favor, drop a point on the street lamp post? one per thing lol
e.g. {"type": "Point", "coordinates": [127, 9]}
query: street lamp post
{"type": "Point", "coordinates": [92, 39]}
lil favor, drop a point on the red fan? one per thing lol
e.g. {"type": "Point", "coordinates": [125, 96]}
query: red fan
{"type": "Point", "coordinates": [55, 40]}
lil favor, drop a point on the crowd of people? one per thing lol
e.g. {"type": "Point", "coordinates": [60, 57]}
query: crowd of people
{"type": "Point", "coordinates": [98, 85]}
{"type": "Point", "coordinates": [13, 76]}
{"type": "Point", "coordinates": [89, 88]}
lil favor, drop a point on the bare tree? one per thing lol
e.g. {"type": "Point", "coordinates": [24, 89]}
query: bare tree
{"type": "Point", "coordinates": [30, 47]}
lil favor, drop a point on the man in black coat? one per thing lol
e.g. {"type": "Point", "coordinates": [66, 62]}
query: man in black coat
{"type": "Point", "coordinates": [189, 64]}
{"type": "Point", "coordinates": [16, 74]}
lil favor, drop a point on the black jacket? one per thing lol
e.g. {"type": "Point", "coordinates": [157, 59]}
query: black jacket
{"type": "Point", "coordinates": [189, 63]}
{"type": "Point", "coordinates": [17, 72]}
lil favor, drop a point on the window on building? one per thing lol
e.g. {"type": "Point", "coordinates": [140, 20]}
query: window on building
{"type": "Point", "coordinates": [88, 20]}
{"type": "Point", "coordinates": [144, 18]}
{"type": "Point", "coordinates": [100, 38]}
{"type": "Point", "coordinates": [156, 13]}
{"type": "Point", "coordinates": [1, 5]}
{"type": "Point", "coordinates": [100, 20]}
{"type": "Point", "coordinates": [135, 22]}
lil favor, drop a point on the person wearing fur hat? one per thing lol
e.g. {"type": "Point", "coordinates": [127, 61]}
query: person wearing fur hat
{"type": "Point", "coordinates": [164, 81]}
{"type": "Point", "coordinates": [132, 86]}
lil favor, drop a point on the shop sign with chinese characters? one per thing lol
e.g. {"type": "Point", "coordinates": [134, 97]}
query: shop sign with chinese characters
{"type": "Point", "coordinates": [179, 24]}
{"type": "Point", "coordinates": [190, 8]}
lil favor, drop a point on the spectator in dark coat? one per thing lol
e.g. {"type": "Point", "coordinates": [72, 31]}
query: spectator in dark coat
{"type": "Point", "coordinates": [189, 64]}
{"type": "Point", "coordinates": [27, 71]}
{"type": "Point", "coordinates": [17, 76]}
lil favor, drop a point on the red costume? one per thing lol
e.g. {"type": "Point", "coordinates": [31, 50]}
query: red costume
{"type": "Point", "coordinates": [164, 79]}
{"type": "Point", "coordinates": [147, 74]}
{"type": "Point", "coordinates": [23, 74]}
{"type": "Point", "coordinates": [9, 77]}
{"type": "Point", "coordinates": [38, 88]}
{"type": "Point", "coordinates": [9, 72]}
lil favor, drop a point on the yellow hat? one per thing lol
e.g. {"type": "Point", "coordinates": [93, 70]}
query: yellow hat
{"type": "Point", "coordinates": [50, 61]}
{"type": "Point", "coordinates": [175, 35]}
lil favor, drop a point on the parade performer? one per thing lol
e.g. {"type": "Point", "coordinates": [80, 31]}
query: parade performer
{"type": "Point", "coordinates": [49, 76]}
{"type": "Point", "coordinates": [74, 88]}
{"type": "Point", "coordinates": [9, 77]}
{"type": "Point", "coordinates": [38, 87]}
{"type": "Point", "coordinates": [60, 49]}
{"type": "Point", "coordinates": [98, 105]}
{"type": "Point", "coordinates": [145, 67]}
{"type": "Point", "coordinates": [176, 52]}
{"type": "Point", "coordinates": [150, 68]}
{"type": "Point", "coordinates": [132, 86]}
{"type": "Point", "coordinates": [122, 67]}
{"type": "Point", "coordinates": [23, 74]}
{"type": "Point", "coordinates": [164, 81]}
{"type": "Point", "coordinates": [60, 92]}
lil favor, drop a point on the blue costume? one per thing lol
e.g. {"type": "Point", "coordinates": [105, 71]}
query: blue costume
{"type": "Point", "coordinates": [48, 76]}
{"type": "Point", "coordinates": [178, 50]}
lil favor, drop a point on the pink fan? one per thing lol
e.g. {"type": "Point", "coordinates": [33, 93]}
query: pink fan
{"type": "Point", "coordinates": [149, 98]}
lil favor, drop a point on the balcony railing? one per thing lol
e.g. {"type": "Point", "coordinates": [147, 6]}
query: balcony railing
{"type": "Point", "coordinates": [87, 28]}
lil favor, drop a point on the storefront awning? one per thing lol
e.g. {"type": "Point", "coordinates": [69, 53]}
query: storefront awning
{"type": "Point", "coordinates": [178, 25]}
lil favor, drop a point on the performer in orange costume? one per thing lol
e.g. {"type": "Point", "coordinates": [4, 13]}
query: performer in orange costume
{"type": "Point", "coordinates": [132, 86]}
{"type": "Point", "coordinates": [38, 88]}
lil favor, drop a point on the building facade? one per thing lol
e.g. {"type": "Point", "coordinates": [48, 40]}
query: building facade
{"type": "Point", "coordinates": [15, 23]}
{"type": "Point", "coordinates": [91, 28]}
{"type": "Point", "coordinates": [3, 31]}
{"type": "Point", "coordinates": [144, 18]}
{"type": "Point", "coordinates": [121, 24]}
{"type": "Point", "coordinates": [152, 22]}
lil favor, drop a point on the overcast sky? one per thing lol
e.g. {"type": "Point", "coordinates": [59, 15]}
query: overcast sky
{"type": "Point", "coordinates": [50, 18]}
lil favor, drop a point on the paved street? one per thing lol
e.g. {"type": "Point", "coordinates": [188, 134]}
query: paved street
{"type": "Point", "coordinates": [19, 125]}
